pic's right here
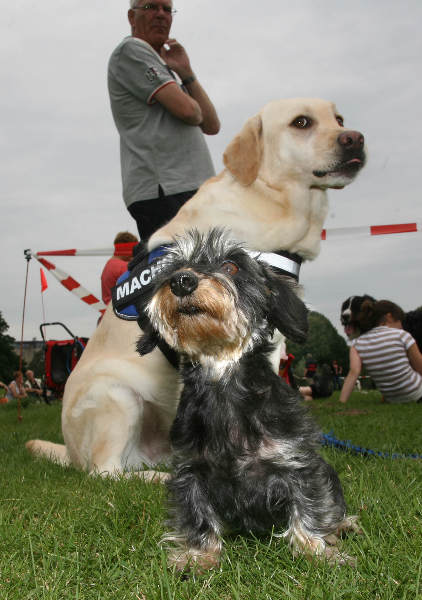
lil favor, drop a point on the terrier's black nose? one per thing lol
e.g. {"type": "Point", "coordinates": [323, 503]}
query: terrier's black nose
{"type": "Point", "coordinates": [183, 283]}
{"type": "Point", "coordinates": [351, 140]}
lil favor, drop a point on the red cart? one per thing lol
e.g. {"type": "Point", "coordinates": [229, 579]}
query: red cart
{"type": "Point", "coordinates": [60, 359]}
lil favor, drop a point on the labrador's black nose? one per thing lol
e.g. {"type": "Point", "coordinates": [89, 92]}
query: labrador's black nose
{"type": "Point", "coordinates": [351, 140]}
{"type": "Point", "coordinates": [183, 283]}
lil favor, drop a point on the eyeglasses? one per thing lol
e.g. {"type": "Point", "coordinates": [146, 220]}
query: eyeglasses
{"type": "Point", "coordinates": [152, 7]}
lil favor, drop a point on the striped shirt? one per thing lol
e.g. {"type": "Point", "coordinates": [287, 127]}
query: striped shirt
{"type": "Point", "coordinates": [383, 351]}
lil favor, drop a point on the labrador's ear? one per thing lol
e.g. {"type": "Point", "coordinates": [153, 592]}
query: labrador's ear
{"type": "Point", "coordinates": [243, 155]}
{"type": "Point", "coordinates": [287, 312]}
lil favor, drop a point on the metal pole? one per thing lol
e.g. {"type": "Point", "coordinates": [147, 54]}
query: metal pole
{"type": "Point", "coordinates": [28, 257]}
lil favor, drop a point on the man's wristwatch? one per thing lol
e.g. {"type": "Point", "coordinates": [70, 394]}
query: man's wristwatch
{"type": "Point", "coordinates": [188, 80]}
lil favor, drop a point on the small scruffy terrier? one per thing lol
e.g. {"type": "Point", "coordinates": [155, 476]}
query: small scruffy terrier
{"type": "Point", "coordinates": [245, 448]}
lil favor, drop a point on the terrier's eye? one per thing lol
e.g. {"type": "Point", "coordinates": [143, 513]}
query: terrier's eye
{"type": "Point", "coordinates": [340, 120]}
{"type": "Point", "coordinates": [229, 268]}
{"type": "Point", "coordinates": [301, 122]}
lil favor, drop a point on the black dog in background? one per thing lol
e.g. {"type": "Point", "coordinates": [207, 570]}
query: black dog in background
{"type": "Point", "coordinates": [245, 448]}
{"type": "Point", "coordinates": [351, 308]}
{"type": "Point", "coordinates": [413, 324]}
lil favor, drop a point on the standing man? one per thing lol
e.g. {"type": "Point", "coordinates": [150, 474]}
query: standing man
{"type": "Point", "coordinates": [163, 154]}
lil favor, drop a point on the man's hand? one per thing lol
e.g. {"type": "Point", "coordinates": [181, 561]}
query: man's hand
{"type": "Point", "coordinates": [199, 110]}
{"type": "Point", "coordinates": [176, 58]}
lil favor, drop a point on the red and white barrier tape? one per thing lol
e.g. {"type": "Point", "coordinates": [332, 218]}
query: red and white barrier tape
{"type": "Point", "coordinates": [117, 250]}
{"type": "Point", "coordinates": [73, 286]}
{"type": "Point", "coordinates": [371, 230]}
{"type": "Point", "coordinates": [126, 250]}
{"type": "Point", "coordinates": [326, 234]}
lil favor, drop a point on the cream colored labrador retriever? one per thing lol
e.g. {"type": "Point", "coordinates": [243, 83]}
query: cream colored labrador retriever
{"type": "Point", "coordinates": [117, 406]}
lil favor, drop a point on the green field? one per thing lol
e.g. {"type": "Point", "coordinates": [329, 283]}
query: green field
{"type": "Point", "coordinates": [64, 535]}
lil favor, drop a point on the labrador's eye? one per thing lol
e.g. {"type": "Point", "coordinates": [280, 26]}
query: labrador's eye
{"type": "Point", "coordinates": [301, 122]}
{"type": "Point", "coordinates": [229, 268]}
{"type": "Point", "coordinates": [340, 120]}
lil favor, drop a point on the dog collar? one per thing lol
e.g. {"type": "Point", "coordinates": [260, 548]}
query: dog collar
{"type": "Point", "coordinates": [286, 263]}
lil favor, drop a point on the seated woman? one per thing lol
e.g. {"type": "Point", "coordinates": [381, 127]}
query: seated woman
{"type": "Point", "coordinates": [390, 354]}
{"type": "Point", "coordinates": [16, 389]}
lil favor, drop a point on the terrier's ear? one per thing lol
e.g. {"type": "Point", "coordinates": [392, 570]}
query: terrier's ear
{"type": "Point", "coordinates": [148, 340]}
{"type": "Point", "coordinates": [243, 155]}
{"type": "Point", "coordinates": [287, 312]}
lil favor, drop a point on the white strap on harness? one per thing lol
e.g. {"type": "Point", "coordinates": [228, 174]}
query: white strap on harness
{"type": "Point", "coordinates": [277, 261]}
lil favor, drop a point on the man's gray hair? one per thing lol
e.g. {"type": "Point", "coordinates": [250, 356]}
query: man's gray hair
{"type": "Point", "coordinates": [134, 3]}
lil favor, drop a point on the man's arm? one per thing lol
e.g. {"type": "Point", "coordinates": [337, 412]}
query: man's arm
{"type": "Point", "coordinates": [32, 390]}
{"type": "Point", "coordinates": [178, 60]}
{"type": "Point", "coordinates": [210, 121]}
{"type": "Point", "coordinates": [354, 372]}
{"type": "Point", "coordinates": [179, 104]}
{"type": "Point", "coordinates": [415, 358]}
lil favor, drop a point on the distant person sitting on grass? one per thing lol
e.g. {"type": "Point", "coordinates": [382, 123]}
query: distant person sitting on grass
{"type": "Point", "coordinates": [321, 386]}
{"type": "Point", "coordinates": [32, 384]}
{"type": "Point", "coordinates": [390, 354]}
{"type": "Point", "coordinates": [310, 366]}
{"type": "Point", "coordinates": [16, 389]}
{"type": "Point", "coordinates": [336, 371]}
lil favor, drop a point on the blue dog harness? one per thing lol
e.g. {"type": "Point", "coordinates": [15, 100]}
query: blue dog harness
{"type": "Point", "coordinates": [132, 284]}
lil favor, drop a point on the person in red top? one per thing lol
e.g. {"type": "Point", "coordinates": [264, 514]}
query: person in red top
{"type": "Point", "coordinates": [116, 265]}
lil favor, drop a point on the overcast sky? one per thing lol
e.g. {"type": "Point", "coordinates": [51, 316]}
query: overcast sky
{"type": "Point", "coordinates": [59, 167]}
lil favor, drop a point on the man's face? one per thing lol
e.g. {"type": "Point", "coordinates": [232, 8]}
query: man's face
{"type": "Point", "coordinates": [151, 25]}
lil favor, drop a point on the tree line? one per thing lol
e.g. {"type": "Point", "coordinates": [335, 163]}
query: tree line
{"type": "Point", "coordinates": [323, 342]}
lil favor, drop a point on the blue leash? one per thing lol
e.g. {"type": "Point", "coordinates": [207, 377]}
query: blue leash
{"type": "Point", "coordinates": [329, 439]}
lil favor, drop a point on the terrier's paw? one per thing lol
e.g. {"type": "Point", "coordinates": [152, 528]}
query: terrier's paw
{"type": "Point", "coordinates": [194, 559]}
{"type": "Point", "coordinates": [335, 557]}
{"type": "Point", "coordinates": [349, 524]}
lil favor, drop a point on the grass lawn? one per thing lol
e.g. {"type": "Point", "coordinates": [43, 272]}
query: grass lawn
{"type": "Point", "coordinates": [64, 535]}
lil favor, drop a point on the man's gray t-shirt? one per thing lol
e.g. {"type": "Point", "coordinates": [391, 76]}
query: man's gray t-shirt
{"type": "Point", "coordinates": [156, 148]}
